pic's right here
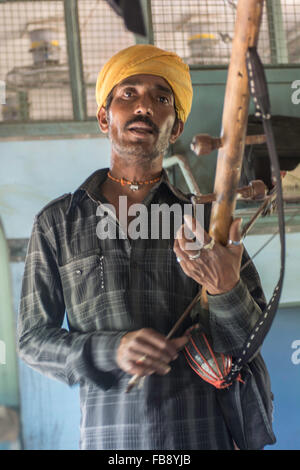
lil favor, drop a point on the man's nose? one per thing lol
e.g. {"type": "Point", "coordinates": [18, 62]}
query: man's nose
{"type": "Point", "coordinates": [144, 106]}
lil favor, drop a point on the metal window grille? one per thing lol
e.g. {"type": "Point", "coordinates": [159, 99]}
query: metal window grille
{"type": "Point", "coordinates": [39, 75]}
{"type": "Point", "coordinates": [102, 34]}
{"type": "Point", "coordinates": [201, 31]}
{"type": "Point", "coordinates": [33, 61]}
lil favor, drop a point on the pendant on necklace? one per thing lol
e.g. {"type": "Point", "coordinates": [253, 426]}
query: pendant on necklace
{"type": "Point", "coordinates": [134, 187]}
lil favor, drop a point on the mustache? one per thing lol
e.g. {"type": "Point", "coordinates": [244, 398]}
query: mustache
{"type": "Point", "coordinates": [145, 120]}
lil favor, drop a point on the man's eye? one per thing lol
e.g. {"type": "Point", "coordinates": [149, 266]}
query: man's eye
{"type": "Point", "coordinates": [164, 99]}
{"type": "Point", "coordinates": [127, 93]}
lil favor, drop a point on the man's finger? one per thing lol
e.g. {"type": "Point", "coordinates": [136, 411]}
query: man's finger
{"type": "Point", "coordinates": [196, 229]}
{"type": "Point", "coordinates": [179, 252]}
{"type": "Point", "coordinates": [235, 230]}
{"type": "Point", "coordinates": [179, 343]}
{"type": "Point", "coordinates": [191, 236]}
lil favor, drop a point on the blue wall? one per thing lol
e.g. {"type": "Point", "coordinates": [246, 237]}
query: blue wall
{"type": "Point", "coordinates": [35, 172]}
{"type": "Point", "coordinates": [32, 174]}
{"type": "Point", "coordinates": [283, 362]}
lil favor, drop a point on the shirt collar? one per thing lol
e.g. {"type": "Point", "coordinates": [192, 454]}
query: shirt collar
{"type": "Point", "coordinates": [90, 187]}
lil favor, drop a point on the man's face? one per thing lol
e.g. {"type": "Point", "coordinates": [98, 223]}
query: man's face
{"type": "Point", "coordinates": [140, 120]}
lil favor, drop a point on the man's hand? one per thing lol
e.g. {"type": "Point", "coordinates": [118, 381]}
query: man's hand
{"type": "Point", "coordinates": [145, 351]}
{"type": "Point", "coordinates": [217, 269]}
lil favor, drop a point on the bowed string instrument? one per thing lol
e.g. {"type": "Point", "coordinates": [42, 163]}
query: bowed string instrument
{"type": "Point", "coordinates": [245, 78]}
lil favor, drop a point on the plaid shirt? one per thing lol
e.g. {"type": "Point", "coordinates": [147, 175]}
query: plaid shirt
{"type": "Point", "coordinates": [107, 287]}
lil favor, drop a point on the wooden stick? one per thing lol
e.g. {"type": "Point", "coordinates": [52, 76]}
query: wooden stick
{"type": "Point", "coordinates": [234, 122]}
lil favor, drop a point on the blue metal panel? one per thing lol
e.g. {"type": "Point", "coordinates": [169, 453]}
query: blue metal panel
{"type": "Point", "coordinates": [281, 357]}
{"type": "Point", "coordinates": [50, 412]}
{"type": "Point", "coordinates": [32, 174]}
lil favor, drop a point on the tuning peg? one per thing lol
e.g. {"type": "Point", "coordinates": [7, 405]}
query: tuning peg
{"type": "Point", "coordinates": [255, 191]}
{"type": "Point", "coordinates": [203, 144]}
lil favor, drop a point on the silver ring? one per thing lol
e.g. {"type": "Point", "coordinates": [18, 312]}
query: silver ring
{"type": "Point", "coordinates": [210, 245]}
{"type": "Point", "coordinates": [233, 242]}
{"type": "Point", "coordinates": [141, 359]}
{"type": "Point", "coordinates": [197, 255]}
{"type": "Point", "coordinates": [178, 259]}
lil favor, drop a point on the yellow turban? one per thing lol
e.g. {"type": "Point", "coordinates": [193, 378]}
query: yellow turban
{"type": "Point", "coordinates": [149, 60]}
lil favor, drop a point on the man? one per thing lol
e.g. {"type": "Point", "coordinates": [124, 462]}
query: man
{"type": "Point", "coordinates": [122, 294]}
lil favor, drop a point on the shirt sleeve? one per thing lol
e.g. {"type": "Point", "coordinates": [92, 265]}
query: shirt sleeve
{"type": "Point", "coordinates": [233, 314]}
{"type": "Point", "coordinates": [42, 342]}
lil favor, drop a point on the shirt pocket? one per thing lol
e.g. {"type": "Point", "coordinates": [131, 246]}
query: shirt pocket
{"type": "Point", "coordinates": [82, 279]}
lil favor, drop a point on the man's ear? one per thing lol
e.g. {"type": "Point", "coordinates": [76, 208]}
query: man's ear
{"type": "Point", "coordinates": [102, 120]}
{"type": "Point", "coordinates": [176, 131]}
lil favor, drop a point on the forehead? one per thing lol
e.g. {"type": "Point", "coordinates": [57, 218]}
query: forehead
{"type": "Point", "coordinates": [153, 81]}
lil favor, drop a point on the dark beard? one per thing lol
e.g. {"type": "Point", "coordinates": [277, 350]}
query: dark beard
{"type": "Point", "coordinates": [138, 150]}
